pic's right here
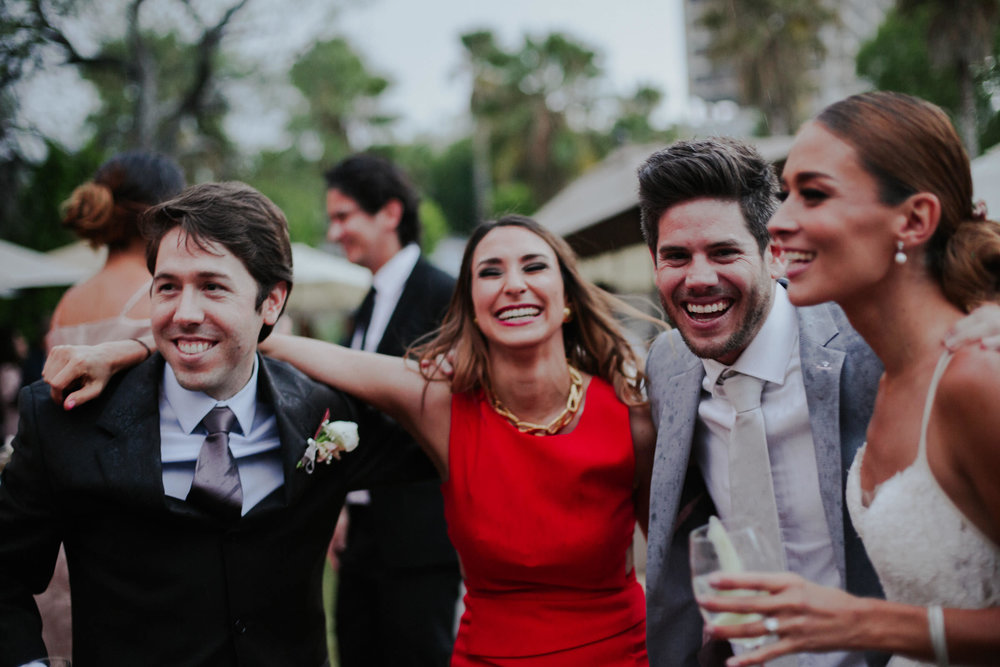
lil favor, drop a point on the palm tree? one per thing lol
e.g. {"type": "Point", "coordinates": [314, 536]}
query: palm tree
{"type": "Point", "coordinates": [770, 44]}
{"type": "Point", "coordinates": [522, 102]}
{"type": "Point", "coordinates": [960, 40]}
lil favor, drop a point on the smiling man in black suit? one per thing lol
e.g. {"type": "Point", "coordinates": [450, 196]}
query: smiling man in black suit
{"type": "Point", "coordinates": [187, 543]}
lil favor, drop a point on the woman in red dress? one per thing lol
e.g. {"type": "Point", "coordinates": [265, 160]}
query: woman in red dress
{"type": "Point", "coordinates": [543, 442]}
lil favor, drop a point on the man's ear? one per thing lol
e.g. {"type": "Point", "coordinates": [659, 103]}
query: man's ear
{"type": "Point", "coordinates": [391, 213]}
{"type": "Point", "coordinates": [274, 302]}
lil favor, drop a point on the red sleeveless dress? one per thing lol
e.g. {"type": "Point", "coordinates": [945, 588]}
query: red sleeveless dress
{"type": "Point", "coordinates": [543, 526]}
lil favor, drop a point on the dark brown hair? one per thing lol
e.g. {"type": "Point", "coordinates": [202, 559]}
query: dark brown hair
{"type": "Point", "coordinates": [372, 181]}
{"type": "Point", "coordinates": [235, 216]}
{"type": "Point", "coordinates": [717, 168]}
{"type": "Point", "coordinates": [106, 210]}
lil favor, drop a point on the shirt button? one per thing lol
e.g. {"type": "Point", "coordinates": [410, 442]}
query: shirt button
{"type": "Point", "coordinates": [240, 627]}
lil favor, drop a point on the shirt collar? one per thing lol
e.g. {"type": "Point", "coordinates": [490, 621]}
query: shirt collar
{"type": "Point", "coordinates": [393, 274]}
{"type": "Point", "coordinates": [192, 406]}
{"type": "Point", "coordinates": [770, 352]}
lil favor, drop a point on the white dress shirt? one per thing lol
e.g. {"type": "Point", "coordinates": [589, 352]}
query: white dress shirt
{"type": "Point", "coordinates": [388, 282]}
{"type": "Point", "coordinates": [773, 356]}
{"type": "Point", "coordinates": [253, 441]}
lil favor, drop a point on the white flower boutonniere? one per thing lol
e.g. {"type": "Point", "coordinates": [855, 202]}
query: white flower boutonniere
{"type": "Point", "coordinates": [330, 440]}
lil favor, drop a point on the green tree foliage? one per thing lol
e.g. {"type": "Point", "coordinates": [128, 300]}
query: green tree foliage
{"type": "Point", "coordinates": [770, 44]}
{"type": "Point", "coordinates": [159, 87]}
{"type": "Point", "coordinates": [961, 38]}
{"type": "Point", "coordinates": [343, 96]}
{"type": "Point", "coordinates": [296, 185]}
{"type": "Point", "coordinates": [523, 102]}
{"type": "Point", "coordinates": [898, 58]}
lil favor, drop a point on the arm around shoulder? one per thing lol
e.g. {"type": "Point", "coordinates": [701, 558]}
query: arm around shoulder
{"type": "Point", "coordinates": [391, 384]}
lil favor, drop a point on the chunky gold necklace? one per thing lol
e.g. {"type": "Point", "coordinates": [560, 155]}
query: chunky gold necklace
{"type": "Point", "coordinates": [557, 424]}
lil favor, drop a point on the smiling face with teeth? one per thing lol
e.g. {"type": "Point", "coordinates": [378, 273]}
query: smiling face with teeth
{"type": "Point", "coordinates": [204, 315]}
{"type": "Point", "coordinates": [517, 289]}
{"type": "Point", "coordinates": [837, 234]}
{"type": "Point", "coordinates": [714, 282]}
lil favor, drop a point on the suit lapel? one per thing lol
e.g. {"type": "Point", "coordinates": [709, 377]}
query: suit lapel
{"type": "Point", "coordinates": [821, 373]}
{"type": "Point", "coordinates": [297, 420]}
{"type": "Point", "coordinates": [676, 400]}
{"type": "Point", "coordinates": [131, 460]}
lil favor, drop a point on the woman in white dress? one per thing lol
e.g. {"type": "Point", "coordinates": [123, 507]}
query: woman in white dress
{"type": "Point", "coordinates": [878, 216]}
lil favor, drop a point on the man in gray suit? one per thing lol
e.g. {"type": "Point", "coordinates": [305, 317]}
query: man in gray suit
{"type": "Point", "coordinates": [705, 206]}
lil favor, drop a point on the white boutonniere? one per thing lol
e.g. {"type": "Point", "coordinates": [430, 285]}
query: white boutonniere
{"type": "Point", "coordinates": [330, 440]}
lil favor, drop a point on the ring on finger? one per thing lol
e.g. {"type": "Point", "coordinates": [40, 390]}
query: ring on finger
{"type": "Point", "coordinates": [771, 624]}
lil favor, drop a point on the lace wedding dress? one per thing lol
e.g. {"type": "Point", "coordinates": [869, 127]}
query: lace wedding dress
{"type": "Point", "coordinates": [923, 548]}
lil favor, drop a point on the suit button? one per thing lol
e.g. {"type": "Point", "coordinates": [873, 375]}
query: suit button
{"type": "Point", "coordinates": [240, 627]}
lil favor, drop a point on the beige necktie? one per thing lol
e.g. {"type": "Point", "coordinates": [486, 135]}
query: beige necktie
{"type": "Point", "coordinates": [751, 488]}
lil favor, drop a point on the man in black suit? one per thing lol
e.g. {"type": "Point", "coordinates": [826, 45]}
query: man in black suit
{"type": "Point", "coordinates": [188, 544]}
{"type": "Point", "coordinates": [398, 577]}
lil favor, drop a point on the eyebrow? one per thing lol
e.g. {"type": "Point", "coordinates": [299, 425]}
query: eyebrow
{"type": "Point", "coordinates": [524, 258]}
{"type": "Point", "coordinates": [725, 243]}
{"type": "Point", "coordinates": [202, 275]}
{"type": "Point", "coordinates": [804, 176]}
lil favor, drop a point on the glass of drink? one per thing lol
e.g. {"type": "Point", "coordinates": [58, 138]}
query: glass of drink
{"type": "Point", "coordinates": [716, 547]}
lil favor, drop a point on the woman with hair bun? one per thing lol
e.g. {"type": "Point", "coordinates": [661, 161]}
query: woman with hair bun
{"type": "Point", "coordinates": [879, 216]}
{"type": "Point", "coordinates": [114, 303]}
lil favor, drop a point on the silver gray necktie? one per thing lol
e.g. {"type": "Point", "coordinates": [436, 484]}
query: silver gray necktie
{"type": "Point", "coordinates": [216, 487]}
{"type": "Point", "coordinates": [751, 487]}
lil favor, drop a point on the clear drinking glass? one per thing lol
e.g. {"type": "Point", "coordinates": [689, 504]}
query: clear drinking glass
{"type": "Point", "coordinates": [741, 552]}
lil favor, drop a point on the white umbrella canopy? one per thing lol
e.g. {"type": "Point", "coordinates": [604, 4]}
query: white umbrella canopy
{"type": "Point", "coordinates": [325, 282]}
{"type": "Point", "coordinates": [22, 267]}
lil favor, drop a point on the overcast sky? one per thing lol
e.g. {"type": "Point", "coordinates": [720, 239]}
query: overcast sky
{"type": "Point", "coordinates": [417, 43]}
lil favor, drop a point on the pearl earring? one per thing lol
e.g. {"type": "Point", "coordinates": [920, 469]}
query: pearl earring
{"type": "Point", "coordinates": [567, 314]}
{"type": "Point", "coordinates": [900, 256]}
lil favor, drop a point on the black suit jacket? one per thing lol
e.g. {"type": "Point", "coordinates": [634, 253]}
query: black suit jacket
{"type": "Point", "coordinates": [154, 580]}
{"type": "Point", "coordinates": [407, 520]}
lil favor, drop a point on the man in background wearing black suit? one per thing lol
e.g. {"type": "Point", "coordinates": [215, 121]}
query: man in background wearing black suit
{"type": "Point", "coordinates": [398, 577]}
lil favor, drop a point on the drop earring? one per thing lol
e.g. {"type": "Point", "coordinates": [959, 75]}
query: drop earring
{"type": "Point", "coordinates": [900, 256]}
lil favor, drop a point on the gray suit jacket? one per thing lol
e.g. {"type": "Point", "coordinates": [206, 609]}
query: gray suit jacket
{"type": "Point", "coordinates": [840, 373]}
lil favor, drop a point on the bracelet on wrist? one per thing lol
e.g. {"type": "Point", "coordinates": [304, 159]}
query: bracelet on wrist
{"type": "Point", "coordinates": [935, 626]}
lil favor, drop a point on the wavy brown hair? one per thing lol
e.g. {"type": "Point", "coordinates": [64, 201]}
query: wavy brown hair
{"type": "Point", "coordinates": [909, 145]}
{"type": "Point", "coordinates": [595, 340]}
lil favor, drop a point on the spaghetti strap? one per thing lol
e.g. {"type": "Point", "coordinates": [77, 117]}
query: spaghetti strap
{"type": "Point", "coordinates": [134, 299]}
{"type": "Point", "coordinates": [942, 364]}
